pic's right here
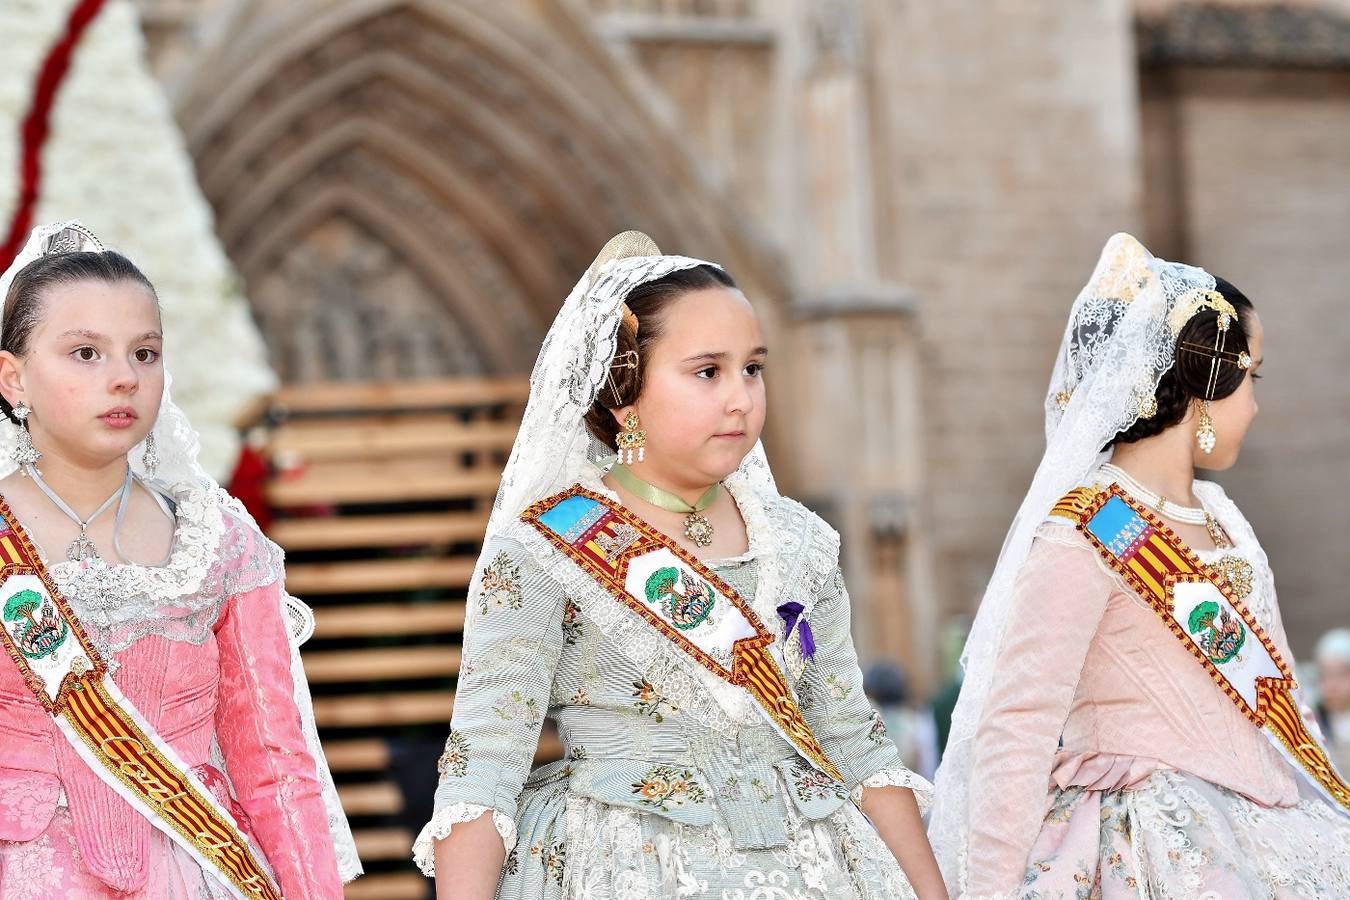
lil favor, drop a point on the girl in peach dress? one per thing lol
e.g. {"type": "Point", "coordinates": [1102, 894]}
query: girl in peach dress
{"type": "Point", "coordinates": [1129, 725]}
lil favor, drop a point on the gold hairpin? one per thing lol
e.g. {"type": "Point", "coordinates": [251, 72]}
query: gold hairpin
{"type": "Point", "coordinates": [1191, 303]}
{"type": "Point", "coordinates": [628, 359]}
{"type": "Point", "coordinates": [1241, 360]}
{"type": "Point", "coordinates": [1196, 299]}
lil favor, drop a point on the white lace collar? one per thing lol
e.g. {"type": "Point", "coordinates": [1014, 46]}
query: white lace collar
{"type": "Point", "coordinates": [180, 600]}
{"type": "Point", "coordinates": [197, 530]}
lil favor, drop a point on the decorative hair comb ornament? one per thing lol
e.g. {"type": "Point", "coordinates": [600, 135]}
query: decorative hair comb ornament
{"type": "Point", "coordinates": [621, 246]}
{"type": "Point", "coordinates": [74, 238]}
{"type": "Point", "coordinates": [1196, 299]}
{"type": "Point", "coordinates": [1148, 406]}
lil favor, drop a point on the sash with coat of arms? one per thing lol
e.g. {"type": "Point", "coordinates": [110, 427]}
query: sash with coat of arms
{"type": "Point", "coordinates": [680, 597]}
{"type": "Point", "coordinates": [70, 678]}
{"type": "Point", "coordinates": [1199, 607]}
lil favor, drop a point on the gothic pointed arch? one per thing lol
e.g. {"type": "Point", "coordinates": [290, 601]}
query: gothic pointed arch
{"type": "Point", "coordinates": [444, 168]}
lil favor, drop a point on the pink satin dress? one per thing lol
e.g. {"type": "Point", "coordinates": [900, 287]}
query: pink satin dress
{"type": "Point", "coordinates": [201, 650]}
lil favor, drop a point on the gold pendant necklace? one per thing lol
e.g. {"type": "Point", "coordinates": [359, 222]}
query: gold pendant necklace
{"type": "Point", "coordinates": [696, 525]}
{"type": "Point", "coordinates": [1216, 532]}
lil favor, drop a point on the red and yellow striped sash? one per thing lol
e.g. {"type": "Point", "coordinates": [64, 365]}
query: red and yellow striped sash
{"type": "Point", "coordinates": [69, 677]}
{"type": "Point", "coordinates": [1213, 623]}
{"type": "Point", "coordinates": [604, 539]}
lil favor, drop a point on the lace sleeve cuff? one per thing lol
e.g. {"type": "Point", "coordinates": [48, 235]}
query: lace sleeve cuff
{"type": "Point", "coordinates": [922, 788]}
{"type": "Point", "coordinates": [444, 821]}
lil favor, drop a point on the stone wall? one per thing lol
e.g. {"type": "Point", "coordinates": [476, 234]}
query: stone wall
{"type": "Point", "coordinates": [944, 173]}
{"type": "Point", "coordinates": [1252, 170]}
{"type": "Point", "coordinates": [1011, 154]}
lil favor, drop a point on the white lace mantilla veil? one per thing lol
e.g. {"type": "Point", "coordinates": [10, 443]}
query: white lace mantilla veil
{"type": "Point", "coordinates": [178, 447]}
{"type": "Point", "coordinates": [554, 449]}
{"type": "Point", "coordinates": [1120, 340]}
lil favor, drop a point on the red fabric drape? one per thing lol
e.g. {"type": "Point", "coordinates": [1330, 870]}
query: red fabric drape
{"type": "Point", "coordinates": [33, 132]}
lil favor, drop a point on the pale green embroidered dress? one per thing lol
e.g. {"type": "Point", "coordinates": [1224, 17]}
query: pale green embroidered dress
{"type": "Point", "coordinates": [674, 785]}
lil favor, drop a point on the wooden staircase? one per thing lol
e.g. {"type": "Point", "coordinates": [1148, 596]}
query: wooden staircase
{"type": "Point", "coordinates": [381, 493]}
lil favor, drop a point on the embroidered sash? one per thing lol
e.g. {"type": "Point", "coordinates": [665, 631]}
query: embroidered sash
{"type": "Point", "coordinates": [1200, 608]}
{"type": "Point", "coordinates": [70, 679]}
{"type": "Point", "coordinates": [681, 598]}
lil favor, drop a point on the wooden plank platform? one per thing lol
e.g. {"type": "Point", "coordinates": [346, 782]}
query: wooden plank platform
{"type": "Point", "coordinates": [379, 575]}
{"type": "Point", "coordinates": [337, 396]}
{"type": "Point", "coordinates": [382, 664]}
{"type": "Point", "coordinates": [356, 755]}
{"type": "Point", "coordinates": [380, 494]}
{"type": "Point", "coordinates": [347, 532]}
{"type": "Point", "coordinates": [378, 710]}
{"type": "Point", "coordinates": [383, 843]}
{"type": "Point", "coordinates": [367, 438]}
{"type": "Point", "coordinates": [378, 798]}
{"type": "Point", "coordinates": [393, 481]}
{"type": "Point", "coordinates": [381, 619]}
{"type": "Point", "coordinates": [382, 886]}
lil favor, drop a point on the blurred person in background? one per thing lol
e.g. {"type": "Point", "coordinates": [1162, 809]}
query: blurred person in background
{"type": "Point", "coordinates": [909, 726]}
{"type": "Point", "coordinates": [944, 698]}
{"type": "Point", "coordinates": [1333, 707]}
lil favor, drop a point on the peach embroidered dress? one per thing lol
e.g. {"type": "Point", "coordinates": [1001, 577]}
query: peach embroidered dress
{"type": "Point", "coordinates": [1109, 764]}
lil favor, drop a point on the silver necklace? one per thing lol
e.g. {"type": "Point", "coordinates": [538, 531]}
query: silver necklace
{"type": "Point", "coordinates": [83, 546]}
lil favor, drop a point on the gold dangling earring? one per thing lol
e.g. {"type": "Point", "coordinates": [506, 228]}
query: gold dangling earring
{"type": "Point", "coordinates": [1204, 434]}
{"type": "Point", "coordinates": [631, 440]}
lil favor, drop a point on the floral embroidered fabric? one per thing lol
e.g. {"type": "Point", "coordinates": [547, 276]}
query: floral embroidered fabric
{"type": "Point", "coordinates": [1157, 786]}
{"type": "Point", "coordinates": [1180, 836]}
{"type": "Point", "coordinates": [673, 785]}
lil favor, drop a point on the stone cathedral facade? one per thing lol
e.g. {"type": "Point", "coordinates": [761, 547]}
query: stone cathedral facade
{"type": "Point", "coordinates": [911, 192]}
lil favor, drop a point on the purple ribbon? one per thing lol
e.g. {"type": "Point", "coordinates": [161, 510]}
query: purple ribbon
{"type": "Point", "coordinates": [792, 615]}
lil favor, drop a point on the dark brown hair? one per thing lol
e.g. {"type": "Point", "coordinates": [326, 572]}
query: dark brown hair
{"type": "Point", "coordinates": [648, 302]}
{"type": "Point", "coordinates": [23, 301]}
{"type": "Point", "coordinates": [1188, 378]}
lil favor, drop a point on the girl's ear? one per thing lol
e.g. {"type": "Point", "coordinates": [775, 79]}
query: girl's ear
{"type": "Point", "coordinates": [11, 378]}
{"type": "Point", "coordinates": [622, 412]}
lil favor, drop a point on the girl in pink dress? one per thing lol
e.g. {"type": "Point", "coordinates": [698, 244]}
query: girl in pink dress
{"type": "Point", "coordinates": [174, 587]}
{"type": "Point", "coordinates": [1130, 725]}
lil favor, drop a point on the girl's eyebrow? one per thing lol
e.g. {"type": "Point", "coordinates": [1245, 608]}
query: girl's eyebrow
{"type": "Point", "coordinates": [719, 356]}
{"type": "Point", "coordinates": [95, 336]}
{"type": "Point", "coordinates": [85, 333]}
